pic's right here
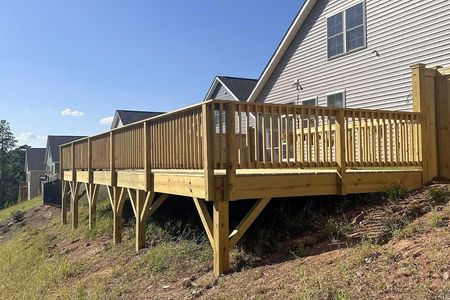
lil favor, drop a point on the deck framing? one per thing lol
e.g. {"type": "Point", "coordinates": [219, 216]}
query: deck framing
{"type": "Point", "coordinates": [220, 151]}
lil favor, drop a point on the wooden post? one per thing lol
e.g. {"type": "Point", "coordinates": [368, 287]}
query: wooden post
{"type": "Point", "coordinates": [147, 158]}
{"type": "Point", "coordinates": [112, 160]}
{"type": "Point", "coordinates": [116, 197]}
{"type": "Point", "coordinates": [424, 101]}
{"type": "Point", "coordinates": [340, 150]}
{"type": "Point", "coordinates": [443, 121]}
{"type": "Point", "coordinates": [221, 232]}
{"type": "Point", "coordinates": [232, 157]}
{"type": "Point", "coordinates": [92, 193]}
{"type": "Point", "coordinates": [74, 205]}
{"type": "Point", "coordinates": [140, 224]}
{"type": "Point", "coordinates": [64, 188]}
{"type": "Point", "coordinates": [208, 130]}
{"type": "Point", "coordinates": [64, 200]}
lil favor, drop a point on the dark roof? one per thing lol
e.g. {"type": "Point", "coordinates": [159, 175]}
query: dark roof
{"type": "Point", "coordinates": [131, 116]}
{"type": "Point", "coordinates": [35, 159]}
{"type": "Point", "coordinates": [53, 143]}
{"type": "Point", "coordinates": [240, 87]}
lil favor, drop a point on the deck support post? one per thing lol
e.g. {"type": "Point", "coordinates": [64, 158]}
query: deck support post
{"type": "Point", "coordinates": [143, 208]}
{"type": "Point", "coordinates": [221, 247]}
{"type": "Point", "coordinates": [340, 142]}
{"type": "Point", "coordinates": [424, 101]}
{"type": "Point", "coordinates": [64, 201]}
{"type": "Point", "coordinates": [92, 193]}
{"type": "Point", "coordinates": [117, 199]}
{"type": "Point", "coordinates": [140, 225]}
{"type": "Point", "coordinates": [74, 189]}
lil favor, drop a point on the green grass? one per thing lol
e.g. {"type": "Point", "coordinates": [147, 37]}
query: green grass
{"type": "Point", "coordinates": [6, 213]}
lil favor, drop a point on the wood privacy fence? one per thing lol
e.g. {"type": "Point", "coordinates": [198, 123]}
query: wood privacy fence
{"type": "Point", "coordinates": [241, 135]}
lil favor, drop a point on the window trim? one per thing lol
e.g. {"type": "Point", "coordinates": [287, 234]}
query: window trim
{"type": "Point", "coordinates": [344, 97]}
{"type": "Point", "coordinates": [344, 30]}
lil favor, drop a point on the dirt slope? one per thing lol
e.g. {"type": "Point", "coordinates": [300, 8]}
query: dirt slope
{"type": "Point", "coordinates": [396, 249]}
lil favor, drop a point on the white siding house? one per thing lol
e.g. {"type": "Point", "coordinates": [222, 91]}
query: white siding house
{"type": "Point", "coordinates": [356, 53]}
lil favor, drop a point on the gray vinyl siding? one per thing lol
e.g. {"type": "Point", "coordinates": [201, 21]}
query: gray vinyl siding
{"type": "Point", "coordinates": [403, 32]}
{"type": "Point", "coordinates": [222, 93]}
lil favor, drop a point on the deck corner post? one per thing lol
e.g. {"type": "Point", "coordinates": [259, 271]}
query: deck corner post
{"type": "Point", "coordinates": [221, 246]}
{"type": "Point", "coordinates": [424, 102]}
{"type": "Point", "coordinates": [340, 151]}
{"type": "Point", "coordinates": [208, 129]}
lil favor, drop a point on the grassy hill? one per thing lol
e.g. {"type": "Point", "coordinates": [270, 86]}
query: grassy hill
{"type": "Point", "coordinates": [394, 245]}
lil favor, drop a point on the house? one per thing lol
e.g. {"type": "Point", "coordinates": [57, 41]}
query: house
{"type": "Point", "coordinates": [356, 54]}
{"type": "Point", "coordinates": [34, 170]}
{"type": "Point", "coordinates": [125, 117]}
{"type": "Point", "coordinates": [51, 160]}
{"type": "Point", "coordinates": [231, 88]}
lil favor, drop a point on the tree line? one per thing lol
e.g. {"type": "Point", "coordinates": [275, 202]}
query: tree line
{"type": "Point", "coordinates": [12, 164]}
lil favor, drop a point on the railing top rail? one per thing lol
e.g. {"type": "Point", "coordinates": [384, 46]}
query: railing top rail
{"type": "Point", "coordinates": [197, 105]}
{"type": "Point", "coordinates": [162, 116]}
{"type": "Point", "coordinates": [382, 111]}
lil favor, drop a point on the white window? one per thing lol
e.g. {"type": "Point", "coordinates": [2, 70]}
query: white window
{"type": "Point", "coordinates": [344, 37]}
{"type": "Point", "coordinates": [336, 100]}
{"type": "Point", "coordinates": [310, 102]}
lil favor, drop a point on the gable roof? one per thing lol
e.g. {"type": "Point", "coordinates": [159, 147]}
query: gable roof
{"type": "Point", "coordinates": [53, 143]}
{"type": "Point", "coordinates": [34, 159]}
{"type": "Point", "coordinates": [131, 116]}
{"type": "Point", "coordinates": [239, 88]}
{"type": "Point", "coordinates": [282, 47]}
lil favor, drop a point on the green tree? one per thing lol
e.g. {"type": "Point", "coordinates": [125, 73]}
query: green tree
{"type": "Point", "coordinates": [7, 143]}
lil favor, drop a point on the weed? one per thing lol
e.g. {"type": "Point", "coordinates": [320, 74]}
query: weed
{"type": "Point", "coordinates": [408, 231]}
{"type": "Point", "coordinates": [435, 219]}
{"type": "Point", "coordinates": [334, 229]}
{"type": "Point", "coordinates": [438, 195]}
{"type": "Point", "coordinates": [17, 216]}
{"type": "Point", "coordinates": [396, 193]}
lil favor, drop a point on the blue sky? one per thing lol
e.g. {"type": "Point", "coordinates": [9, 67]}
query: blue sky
{"type": "Point", "coordinates": [65, 65]}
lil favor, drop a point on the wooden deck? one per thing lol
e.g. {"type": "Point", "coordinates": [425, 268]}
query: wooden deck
{"type": "Point", "coordinates": [219, 151]}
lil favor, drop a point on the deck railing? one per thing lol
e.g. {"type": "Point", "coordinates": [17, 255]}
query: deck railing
{"type": "Point", "coordinates": [241, 135]}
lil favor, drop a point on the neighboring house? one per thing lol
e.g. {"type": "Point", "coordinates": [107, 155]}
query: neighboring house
{"type": "Point", "coordinates": [34, 170]}
{"type": "Point", "coordinates": [52, 154]}
{"type": "Point", "coordinates": [231, 88]}
{"type": "Point", "coordinates": [356, 53]}
{"type": "Point", "coordinates": [125, 117]}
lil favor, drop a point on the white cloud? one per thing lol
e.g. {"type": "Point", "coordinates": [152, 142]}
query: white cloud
{"type": "Point", "coordinates": [26, 136]}
{"type": "Point", "coordinates": [29, 136]}
{"type": "Point", "coordinates": [106, 121]}
{"type": "Point", "coordinates": [72, 113]}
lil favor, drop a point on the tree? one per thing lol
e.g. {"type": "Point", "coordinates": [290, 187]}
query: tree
{"type": "Point", "coordinates": [7, 143]}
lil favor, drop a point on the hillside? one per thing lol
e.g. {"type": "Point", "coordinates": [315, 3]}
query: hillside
{"type": "Point", "coordinates": [391, 246]}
